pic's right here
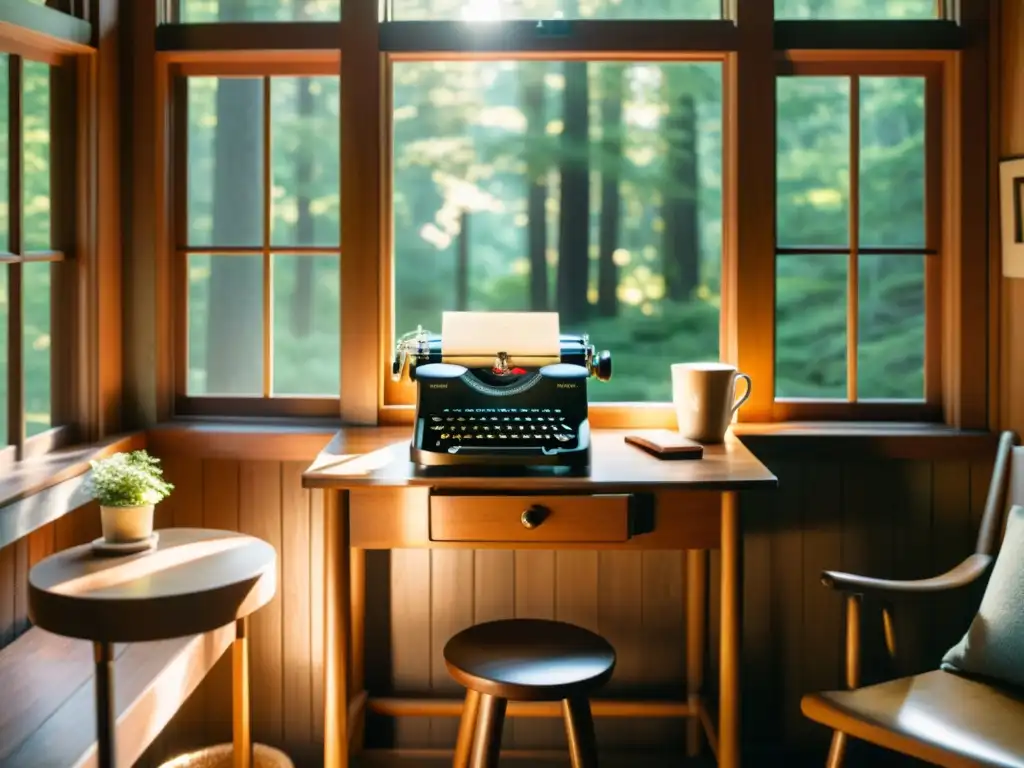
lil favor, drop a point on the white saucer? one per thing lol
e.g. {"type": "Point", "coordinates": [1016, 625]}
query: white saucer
{"type": "Point", "coordinates": [103, 547]}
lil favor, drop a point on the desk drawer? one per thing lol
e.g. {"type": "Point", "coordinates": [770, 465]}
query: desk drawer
{"type": "Point", "coordinates": [530, 518]}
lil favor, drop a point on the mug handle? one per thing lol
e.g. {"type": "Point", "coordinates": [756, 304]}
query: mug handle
{"type": "Point", "coordinates": [746, 394]}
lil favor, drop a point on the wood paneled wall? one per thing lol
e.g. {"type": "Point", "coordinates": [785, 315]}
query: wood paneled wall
{"type": "Point", "coordinates": [1010, 102]}
{"type": "Point", "coordinates": [897, 518]}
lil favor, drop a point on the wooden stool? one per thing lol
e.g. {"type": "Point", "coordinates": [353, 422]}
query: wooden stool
{"type": "Point", "coordinates": [526, 660]}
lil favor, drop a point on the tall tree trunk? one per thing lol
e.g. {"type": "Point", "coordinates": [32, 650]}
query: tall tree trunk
{"type": "Point", "coordinates": [611, 168]}
{"type": "Point", "coordinates": [574, 210]}
{"type": "Point", "coordinates": [302, 303]}
{"type": "Point", "coordinates": [536, 179]}
{"type": "Point", "coordinates": [235, 324]}
{"type": "Point", "coordinates": [681, 244]}
{"type": "Point", "coordinates": [462, 264]}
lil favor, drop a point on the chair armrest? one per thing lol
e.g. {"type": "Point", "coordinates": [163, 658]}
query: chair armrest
{"type": "Point", "coordinates": [967, 572]}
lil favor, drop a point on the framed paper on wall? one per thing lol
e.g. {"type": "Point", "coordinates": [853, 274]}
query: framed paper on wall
{"type": "Point", "coordinates": [1011, 215]}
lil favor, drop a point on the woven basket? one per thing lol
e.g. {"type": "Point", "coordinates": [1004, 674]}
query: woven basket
{"type": "Point", "coordinates": [222, 756]}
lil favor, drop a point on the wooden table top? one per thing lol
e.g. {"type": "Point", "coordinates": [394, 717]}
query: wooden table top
{"type": "Point", "coordinates": [358, 458]}
{"type": "Point", "coordinates": [196, 580]}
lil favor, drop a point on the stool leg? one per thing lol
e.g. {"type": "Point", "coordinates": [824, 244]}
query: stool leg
{"type": "Point", "coordinates": [241, 735]}
{"type": "Point", "coordinates": [106, 717]}
{"type": "Point", "coordinates": [467, 726]}
{"type": "Point", "coordinates": [579, 727]}
{"type": "Point", "coordinates": [487, 742]}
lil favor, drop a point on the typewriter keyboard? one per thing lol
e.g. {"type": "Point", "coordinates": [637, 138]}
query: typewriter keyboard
{"type": "Point", "coordinates": [522, 427]}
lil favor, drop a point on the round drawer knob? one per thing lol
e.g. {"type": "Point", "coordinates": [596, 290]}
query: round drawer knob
{"type": "Point", "coordinates": [533, 516]}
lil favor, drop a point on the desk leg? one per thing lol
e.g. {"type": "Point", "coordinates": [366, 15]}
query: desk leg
{"type": "Point", "coordinates": [729, 741]}
{"type": "Point", "coordinates": [357, 677]}
{"type": "Point", "coordinates": [337, 628]}
{"type": "Point", "coordinates": [696, 641]}
{"type": "Point", "coordinates": [106, 717]}
{"type": "Point", "coordinates": [240, 713]}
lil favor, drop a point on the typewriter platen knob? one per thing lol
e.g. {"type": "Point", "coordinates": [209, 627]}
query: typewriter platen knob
{"type": "Point", "coordinates": [533, 516]}
{"type": "Point", "coordinates": [603, 366]}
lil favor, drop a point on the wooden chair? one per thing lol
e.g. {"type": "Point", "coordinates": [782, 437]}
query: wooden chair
{"type": "Point", "coordinates": [526, 660]}
{"type": "Point", "coordinates": [938, 716]}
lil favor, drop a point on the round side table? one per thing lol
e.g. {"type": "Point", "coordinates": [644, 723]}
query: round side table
{"type": "Point", "coordinates": [194, 581]}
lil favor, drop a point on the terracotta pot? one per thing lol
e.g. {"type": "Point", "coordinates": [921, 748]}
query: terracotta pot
{"type": "Point", "coordinates": [122, 525]}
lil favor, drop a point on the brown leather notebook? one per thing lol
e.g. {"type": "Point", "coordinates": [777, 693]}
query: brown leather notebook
{"type": "Point", "coordinates": [666, 444]}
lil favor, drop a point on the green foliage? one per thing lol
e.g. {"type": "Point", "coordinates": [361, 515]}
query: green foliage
{"type": "Point", "coordinates": [468, 145]}
{"type": "Point", "coordinates": [128, 480]}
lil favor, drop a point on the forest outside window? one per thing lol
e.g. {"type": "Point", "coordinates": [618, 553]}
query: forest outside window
{"type": "Point", "coordinates": [590, 188]}
{"type": "Point", "coordinates": [259, 247]}
{"type": "Point", "coordinates": [857, 261]}
{"type": "Point", "coordinates": [28, 256]}
{"type": "Point", "coordinates": [826, 10]}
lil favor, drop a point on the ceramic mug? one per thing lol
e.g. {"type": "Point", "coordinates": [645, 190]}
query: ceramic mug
{"type": "Point", "coordinates": [704, 395]}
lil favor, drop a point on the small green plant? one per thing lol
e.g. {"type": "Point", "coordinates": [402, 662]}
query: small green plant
{"type": "Point", "coordinates": [128, 480]}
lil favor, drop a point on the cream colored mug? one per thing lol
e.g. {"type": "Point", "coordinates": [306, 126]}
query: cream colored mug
{"type": "Point", "coordinates": [704, 395]}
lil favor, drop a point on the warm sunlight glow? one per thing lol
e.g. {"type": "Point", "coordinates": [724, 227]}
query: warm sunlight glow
{"type": "Point", "coordinates": [482, 10]}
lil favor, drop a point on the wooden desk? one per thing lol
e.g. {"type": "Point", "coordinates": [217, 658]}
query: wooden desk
{"type": "Point", "coordinates": [631, 501]}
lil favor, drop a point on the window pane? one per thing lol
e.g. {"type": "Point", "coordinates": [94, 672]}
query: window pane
{"type": "Point", "coordinates": [855, 9]}
{"type": "Point", "coordinates": [225, 325]}
{"type": "Point", "coordinates": [305, 135]}
{"type": "Point", "coordinates": [36, 122]}
{"type": "Point", "coordinates": [890, 350]}
{"type": "Point", "coordinates": [813, 160]}
{"type": "Point", "coordinates": [36, 342]}
{"type": "Point", "coordinates": [590, 188]}
{"type": "Point", "coordinates": [307, 325]}
{"type": "Point", "coordinates": [5, 127]}
{"type": "Point", "coordinates": [198, 11]}
{"type": "Point", "coordinates": [810, 326]}
{"type": "Point", "coordinates": [892, 161]}
{"type": "Point", "coordinates": [493, 10]}
{"type": "Point", "coordinates": [225, 161]}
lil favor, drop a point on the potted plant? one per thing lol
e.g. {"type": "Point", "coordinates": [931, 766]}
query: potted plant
{"type": "Point", "coordinates": [127, 486]}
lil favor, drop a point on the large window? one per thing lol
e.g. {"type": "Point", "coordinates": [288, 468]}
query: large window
{"type": "Point", "coordinates": [29, 253]}
{"type": "Point", "coordinates": [593, 189]}
{"type": "Point", "coordinates": [260, 252]}
{"type": "Point", "coordinates": [852, 245]}
{"type": "Point", "coordinates": [611, 160]}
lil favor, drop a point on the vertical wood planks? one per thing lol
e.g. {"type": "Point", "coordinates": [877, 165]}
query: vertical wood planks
{"type": "Point", "coordinates": [410, 637]}
{"type": "Point", "coordinates": [494, 598]}
{"type": "Point", "coordinates": [620, 621]}
{"type": "Point", "coordinates": [787, 605]}
{"type": "Point", "coordinates": [184, 509]}
{"type": "Point", "coordinates": [316, 616]}
{"type": "Point", "coordinates": [259, 514]}
{"type": "Point", "coordinates": [451, 600]}
{"type": "Point", "coordinates": [220, 488]}
{"type": "Point", "coordinates": [297, 694]}
{"type": "Point", "coordinates": [823, 609]}
{"type": "Point", "coordinates": [663, 620]}
{"type": "Point", "coordinates": [535, 589]}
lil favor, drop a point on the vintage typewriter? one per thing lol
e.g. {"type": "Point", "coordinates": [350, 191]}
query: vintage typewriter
{"type": "Point", "coordinates": [497, 407]}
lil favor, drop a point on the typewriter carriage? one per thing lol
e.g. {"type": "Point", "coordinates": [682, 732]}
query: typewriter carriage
{"type": "Point", "coordinates": [422, 347]}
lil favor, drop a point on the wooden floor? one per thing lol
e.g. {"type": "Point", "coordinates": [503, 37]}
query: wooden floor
{"type": "Point", "coordinates": [439, 759]}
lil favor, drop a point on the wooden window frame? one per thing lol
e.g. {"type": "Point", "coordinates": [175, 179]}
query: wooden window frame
{"type": "Point", "coordinates": [86, 347]}
{"type": "Point", "coordinates": [19, 445]}
{"type": "Point", "coordinates": [310, 64]}
{"type": "Point", "coordinates": [929, 406]}
{"type": "Point", "coordinates": [750, 44]}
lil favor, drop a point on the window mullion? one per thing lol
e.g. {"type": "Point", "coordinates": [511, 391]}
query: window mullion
{"type": "Point", "coordinates": [365, 142]}
{"type": "Point", "coordinates": [268, 277]}
{"type": "Point", "coordinates": [15, 365]}
{"type": "Point", "coordinates": [748, 269]}
{"type": "Point", "coordinates": [852, 268]}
